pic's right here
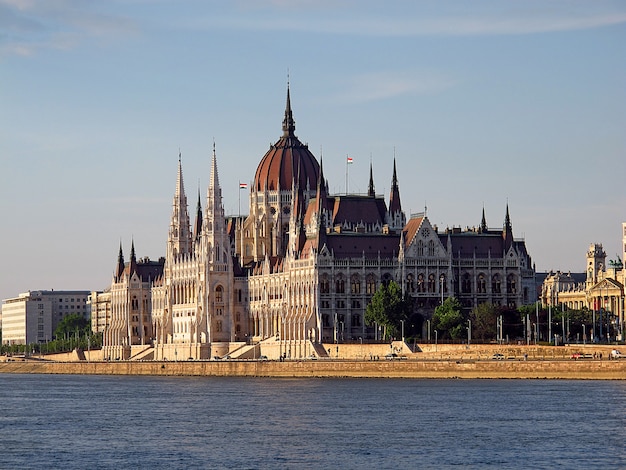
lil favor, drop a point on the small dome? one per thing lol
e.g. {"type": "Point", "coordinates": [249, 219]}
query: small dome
{"type": "Point", "coordinates": [287, 160]}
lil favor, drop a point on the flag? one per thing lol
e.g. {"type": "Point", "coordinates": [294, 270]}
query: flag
{"type": "Point", "coordinates": [243, 185]}
{"type": "Point", "coordinates": [350, 160]}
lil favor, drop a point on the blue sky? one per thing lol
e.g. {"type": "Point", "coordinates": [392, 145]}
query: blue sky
{"type": "Point", "coordinates": [483, 103]}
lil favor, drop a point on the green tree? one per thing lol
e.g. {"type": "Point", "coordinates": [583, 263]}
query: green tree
{"type": "Point", "coordinates": [387, 308]}
{"type": "Point", "coordinates": [448, 319]}
{"type": "Point", "coordinates": [484, 320]}
{"type": "Point", "coordinates": [72, 324]}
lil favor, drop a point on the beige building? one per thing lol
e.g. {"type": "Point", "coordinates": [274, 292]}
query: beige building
{"type": "Point", "coordinates": [600, 289]}
{"type": "Point", "coordinates": [301, 267]}
{"type": "Point", "coordinates": [33, 316]}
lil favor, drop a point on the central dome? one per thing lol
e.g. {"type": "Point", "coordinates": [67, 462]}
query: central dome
{"type": "Point", "coordinates": [286, 161]}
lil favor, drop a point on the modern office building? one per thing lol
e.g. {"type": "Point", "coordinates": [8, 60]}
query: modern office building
{"type": "Point", "coordinates": [33, 316]}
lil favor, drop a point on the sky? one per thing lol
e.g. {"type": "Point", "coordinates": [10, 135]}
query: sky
{"type": "Point", "coordinates": [482, 103]}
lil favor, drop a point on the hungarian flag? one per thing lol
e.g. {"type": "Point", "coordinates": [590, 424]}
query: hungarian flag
{"type": "Point", "coordinates": [243, 185]}
{"type": "Point", "coordinates": [350, 160]}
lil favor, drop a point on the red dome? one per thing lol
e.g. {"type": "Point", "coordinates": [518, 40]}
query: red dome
{"type": "Point", "coordinates": [287, 160]}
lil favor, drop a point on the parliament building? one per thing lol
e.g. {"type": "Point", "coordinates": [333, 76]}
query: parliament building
{"type": "Point", "coordinates": [299, 270]}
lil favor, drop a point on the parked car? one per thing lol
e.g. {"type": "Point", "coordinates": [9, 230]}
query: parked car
{"type": "Point", "coordinates": [498, 357]}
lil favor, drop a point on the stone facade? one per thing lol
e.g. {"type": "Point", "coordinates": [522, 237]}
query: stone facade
{"type": "Point", "coordinates": [301, 267]}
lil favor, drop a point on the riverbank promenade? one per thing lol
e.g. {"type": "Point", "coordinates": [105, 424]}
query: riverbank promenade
{"type": "Point", "coordinates": [434, 362]}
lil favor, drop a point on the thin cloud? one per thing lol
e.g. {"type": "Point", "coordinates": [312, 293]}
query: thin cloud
{"type": "Point", "coordinates": [28, 26]}
{"type": "Point", "coordinates": [385, 85]}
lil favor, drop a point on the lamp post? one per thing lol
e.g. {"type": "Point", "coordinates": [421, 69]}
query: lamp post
{"type": "Point", "coordinates": [469, 332]}
{"type": "Point", "coordinates": [584, 335]}
{"type": "Point", "coordinates": [435, 340]}
{"type": "Point", "coordinates": [428, 323]}
{"type": "Point", "coordinates": [402, 321]}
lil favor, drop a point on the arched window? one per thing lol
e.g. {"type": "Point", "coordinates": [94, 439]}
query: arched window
{"type": "Point", "coordinates": [219, 294]}
{"type": "Point", "coordinates": [466, 284]}
{"type": "Point", "coordinates": [340, 285]}
{"type": "Point", "coordinates": [431, 283]}
{"type": "Point", "coordinates": [511, 284]}
{"type": "Point", "coordinates": [431, 248]}
{"type": "Point", "coordinates": [421, 285]}
{"type": "Point", "coordinates": [420, 248]}
{"type": "Point", "coordinates": [355, 284]}
{"type": "Point", "coordinates": [481, 284]}
{"type": "Point", "coordinates": [324, 285]}
{"type": "Point", "coordinates": [495, 284]}
{"type": "Point", "coordinates": [410, 283]}
{"type": "Point", "coordinates": [370, 284]}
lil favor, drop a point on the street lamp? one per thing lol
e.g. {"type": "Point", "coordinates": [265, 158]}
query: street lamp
{"type": "Point", "coordinates": [442, 278]}
{"type": "Point", "coordinates": [435, 340]}
{"type": "Point", "coordinates": [584, 335]}
{"type": "Point", "coordinates": [402, 321]}
{"type": "Point", "coordinates": [469, 332]}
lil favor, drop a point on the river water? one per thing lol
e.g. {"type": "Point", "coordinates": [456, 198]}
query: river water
{"type": "Point", "coordinates": [77, 422]}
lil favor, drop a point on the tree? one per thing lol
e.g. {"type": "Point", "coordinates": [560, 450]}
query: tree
{"type": "Point", "coordinates": [448, 319]}
{"type": "Point", "coordinates": [70, 325]}
{"type": "Point", "coordinates": [387, 308]}
{"type": "Point", "coordinates": [484, 320]}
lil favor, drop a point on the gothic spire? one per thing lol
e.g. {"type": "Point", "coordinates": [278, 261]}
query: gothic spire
{"type": "Point", "coordinates": [133, 259]}
{"type": "Point", "coordinates": [370, 190]}
{"type": "Point", "coordinates": [198, 226]}
{"type": "Point", "coordinates": [289, 125]}
{"type": "Point", "coordinates": [483, 222]}
{"type": "Point", "coordinates": [507, 232]}
{"type": "Point", "coordinates": [179, 239]}
{"type": "Point", "coordinates": [394, 198]}
{"type": "Point", "coordinates": [120, 264]}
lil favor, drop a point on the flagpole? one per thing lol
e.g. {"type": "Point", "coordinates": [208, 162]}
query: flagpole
{"type": "Point", "coordinates": [347, 174]}
{"type": "Point", "coordinates": [239, 200]}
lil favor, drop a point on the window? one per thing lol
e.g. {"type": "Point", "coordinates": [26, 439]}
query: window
{"type": "Point", "coordinates": [356, 320]}
{"type": "Point", "coordinates": [511, 285]}
{"type": "Point", "coordinates": [420, 248]}
{"type": "Point", "coordinates": [466, 284]}
{"type": "Point", "coordinates": [324, 285]}
{"type": "Point", "coordinates": [219, 294]}
{"type": "Point", "coordinates": [410, 283]}
{"type": "Point", "coordinates": [355, 285]}
{"type": "Point", "coordinates": [431, 248]}
{"type": "Point", "coordinates": [495, 284]}
{"type": "Point", "coordinates": [356, 304]}
{"type": "Point", "coordinates": [371, 284]}
{"type": "Point", "coordinates": [481, 284]}
{"type": "Point", "coordinates": [218, 326]}
{"type": "Point", "coordinates": [340, 285]}
{"type": "Point", "coordinates": [431, 283]}
{"type": "Point", "coordinates": [421, 285]}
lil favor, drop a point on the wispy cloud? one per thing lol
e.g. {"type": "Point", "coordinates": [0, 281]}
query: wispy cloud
{"type": "Point", "coordinates": [28, 26]}
{"type": "Point", "coordinates": [384, 85]}
{"type": "Point", "coordinates": [424, 18]}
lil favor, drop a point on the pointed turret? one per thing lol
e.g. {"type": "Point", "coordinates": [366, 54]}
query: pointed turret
{"type": "Point", "coordinates": [394, 197]}
{"type": "Point", "coordinates": [395, 216]}
{"type": "Point", "coordinates": [198, 226]}
{"type": "Point", "coordinates": [179, 239]}
{"type": "Point", "coordinates": [507, 231]}
{"type": "Point", "coordinates": [133, 259]}
{"type": "Point", "coordinates": [370, 189]}
{"type": "Point", "coordinates": [483, 223]}
{"type": "Point", "coordinates": [119, 270]}
{"type": "Point", "coordinates": [289, 125]}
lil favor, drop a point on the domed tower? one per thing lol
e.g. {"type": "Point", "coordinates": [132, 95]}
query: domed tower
{"type": "Point", "coordinates": [286, 169]}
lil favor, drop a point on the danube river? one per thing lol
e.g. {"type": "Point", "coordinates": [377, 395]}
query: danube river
{"type": "Point", "coordinates": [122, 422]}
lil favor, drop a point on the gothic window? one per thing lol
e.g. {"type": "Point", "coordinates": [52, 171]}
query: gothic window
{"type": "Point", "coordinates": [431, 283]}
{"type": "Point", "coordinates": [431, 248]}
{"type": "Point", "coordinates": [356, 320]}
{"type": "Point", "coordinates": [341, 304]}
{"type": "Point", "coordinates": [495, 284]}
{"type": "Point", "coordinates": [370, 284]}
{"type": "Point", "coordinates": [466, 284]}
{"type": "Point", "coordinates": [218, 326]}
{"type": "Point", "coordinates": [326, 320]}
{"type": "Point", "coordinates": [355, 284]}
{"type": "Point", "coordinates": [421, 285]}
{"type": "Point", "coordinates": [340, 285]}
{"type": "Point", "coordinates": [356, 304]}
{"type": "Point", "coordinates": [135, 303]}
{"type": "Point", "coordinates": [481, 284]}
{"type": "Point", "coordinates": [219, 294]}
{"type": "Point", "coordinates": [511, 285]}
{"type": "Point", "coordinates": [420, 248]}
{"type": "Point", "coordinates": [386, 278]}
{"type": "Point", "coordinates": [410, 283]}
{"type": "Point", "coordinates": [324, 285]}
